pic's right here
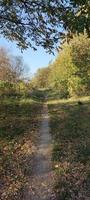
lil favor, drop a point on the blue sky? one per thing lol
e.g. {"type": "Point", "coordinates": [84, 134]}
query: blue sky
{"type": "Point", "coordinates": [32, 59]}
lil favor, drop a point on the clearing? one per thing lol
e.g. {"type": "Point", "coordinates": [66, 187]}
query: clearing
{"type": "Point", "coordinates": [44, 149]}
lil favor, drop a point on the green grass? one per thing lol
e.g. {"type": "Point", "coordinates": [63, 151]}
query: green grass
{"type": "Point", "coordinates": [39, 94]}
{"type": "Point", "coordinates": [70, 129]}
{"type": "Point", "coordinates": [19, 123]}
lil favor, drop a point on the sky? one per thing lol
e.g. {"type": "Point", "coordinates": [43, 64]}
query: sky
{"type": "Point", "coordinates": [32, 59]}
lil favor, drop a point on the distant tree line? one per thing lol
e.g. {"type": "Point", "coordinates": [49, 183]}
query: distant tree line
{"type": "Point", "coordinates": [68, 75]}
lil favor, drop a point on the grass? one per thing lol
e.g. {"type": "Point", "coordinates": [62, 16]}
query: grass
{"type": "Point", "coordinates": [19, 124]}
{"type": "Point", "coordinates": [70, 129]}
{"type": "Point", "coordinates": [19, 132]}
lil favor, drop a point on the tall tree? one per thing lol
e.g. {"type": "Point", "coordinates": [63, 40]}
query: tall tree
{"type": "Point", "coordinates": [43, 22]}
{"type": "Point", "coordinates": [11, 67]}
{"type": "Point", "coordinates": [70, 73]}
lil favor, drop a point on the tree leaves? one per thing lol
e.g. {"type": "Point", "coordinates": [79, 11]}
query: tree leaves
{"type": "Point", "coordinates": [28, 21]}
{"type": "Point", "coordinates": [69, 73]}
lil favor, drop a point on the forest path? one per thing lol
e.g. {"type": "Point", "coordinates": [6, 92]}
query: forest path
{"type": "Point", "coordinates": [42, 179]}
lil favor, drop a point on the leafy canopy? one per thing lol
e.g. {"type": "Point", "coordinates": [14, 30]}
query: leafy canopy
{"type": "Point", "coordinates": [43, 22]}
{"type": "Point", "coordinates": [70, 72]}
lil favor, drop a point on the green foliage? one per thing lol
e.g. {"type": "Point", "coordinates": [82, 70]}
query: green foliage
{"type": "Point", "coordinates": [70, 73]}
{"type": "Point", "coordinates": [40, 79]}
{"type": "Point", "coordinates": [7, 88]}
{"type": "Point", "coordinates": [43, 21]}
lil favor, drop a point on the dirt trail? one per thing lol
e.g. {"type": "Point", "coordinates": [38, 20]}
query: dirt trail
{"type": "Point", "coordinates": [41, 182]}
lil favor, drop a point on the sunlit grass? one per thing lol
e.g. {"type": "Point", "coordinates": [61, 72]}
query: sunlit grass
{"type": "Point", "coordinates": [70, 129]}
{"type": "Point", "coordinates": [70, 100]}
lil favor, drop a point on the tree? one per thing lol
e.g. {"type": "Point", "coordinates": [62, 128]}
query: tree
{"type": "Point", "coordinates": [5, 72]}
{"type": "Point", "coordinates": [40, 79]}
{"type": "Point", "coordinates": [61, 71]}
{"type": "Point", "coordinates": [11, 69]}
{"type": "Point", "coordinates": [80, 53]}
{"type": "Point", "coordinates": [70, 73]}
{"type": "Point", "coordinates": [17, 66]}
{"type": "Point", "coordinates": [32, 23]}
